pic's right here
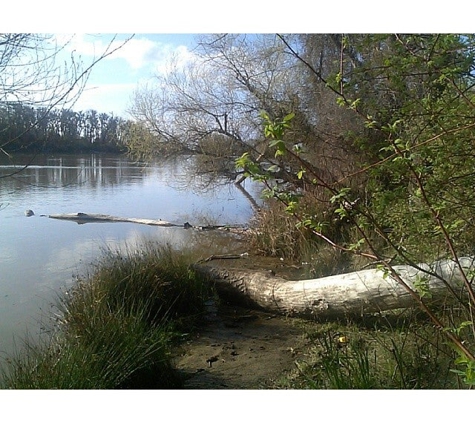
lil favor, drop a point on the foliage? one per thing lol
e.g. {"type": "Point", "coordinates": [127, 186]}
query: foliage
{"type": "Point", "coordinates": [414, 97]}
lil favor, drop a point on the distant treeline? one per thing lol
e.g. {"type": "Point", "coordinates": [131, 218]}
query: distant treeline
{"type": "Point", "coordinates": [24, 128]}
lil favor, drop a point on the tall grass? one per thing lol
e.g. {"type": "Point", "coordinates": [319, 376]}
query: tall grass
{"type": "Point", "coordinates": [123, 353]}
{"type": "Point", "coordinates": [153, 279]}
{"type": "Point", "coordinates": [116, 326]}
{"type": "Point", "coordinates": [274, 233]}
{"type": "Point", "coordinates": [402, 352]}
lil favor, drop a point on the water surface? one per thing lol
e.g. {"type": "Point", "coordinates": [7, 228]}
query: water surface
{"type": "Point", "coordinates": [40, 256]}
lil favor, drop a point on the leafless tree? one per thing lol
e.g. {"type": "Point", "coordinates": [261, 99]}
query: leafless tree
{"type": "Point", "coordinates": [221, 91]}
{"type": "Point", "coordinates": [233, 78]}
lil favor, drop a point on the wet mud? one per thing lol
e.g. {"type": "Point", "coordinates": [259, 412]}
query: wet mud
{"type": "Point", "coordinates": [240, 349]}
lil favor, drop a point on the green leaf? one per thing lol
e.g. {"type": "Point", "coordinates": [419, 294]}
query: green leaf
{"type": "Point", "coordinates": [341, 101]}
{"type": "Point", "coordinates": [278, 143]}
{"type": "Point", "coordinates": [274, 168]}
{"type": "Point", "coordinates": [342, 212]}
{"type": "Point", "coordinates": [289, 117]}
{"type": "Point", "coordinates": [242, 161]}
{"type": "Point", "coordinates": [340, 195]}
{"type": "Point", "coordinates": [356, 246]}
{"type": "Point", "coordinates": [291, 206]}
{"type": "Point", "coordinates": [354, 104]}
{"type": "Point", "coordinates": [421, 285]}
{"type": "Point", "coordinates": [264, 116]}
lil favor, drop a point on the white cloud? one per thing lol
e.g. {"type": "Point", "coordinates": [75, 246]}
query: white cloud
{"type": "Point", "coordinates": [113, 81]}
{"type": "Point", "coordinates": [107, 98]}
{"type": "Point", "coordinates": [139, 52]}
{"type": "Point", "coordinates": [180, 56]}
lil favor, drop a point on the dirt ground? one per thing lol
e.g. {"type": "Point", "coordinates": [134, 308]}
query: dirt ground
{"type": "Point", "coordinates": [240, 349]}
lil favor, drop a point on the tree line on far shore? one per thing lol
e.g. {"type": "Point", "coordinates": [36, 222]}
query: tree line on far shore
{"type": "Point", "coordinates": [24, 128]}
{"type": "Point", "coordinates": [41, 77]}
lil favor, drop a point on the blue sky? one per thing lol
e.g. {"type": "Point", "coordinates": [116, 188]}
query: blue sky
{"type": "Point", "coordinates": [163, 29]}
{"type": "Point", "coordinates": [113, 80]}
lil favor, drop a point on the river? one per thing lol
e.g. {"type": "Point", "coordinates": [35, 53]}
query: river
{"type": "Point", "coordinates": [40, 257]}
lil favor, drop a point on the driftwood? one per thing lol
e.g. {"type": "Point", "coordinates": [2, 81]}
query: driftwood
{"type": "Point", "coordinates": [352, 294]}
{"type": "Point", "coordinates": [83, 218]}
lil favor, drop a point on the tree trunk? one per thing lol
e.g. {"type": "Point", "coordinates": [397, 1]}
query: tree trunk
{"type": "Point", "coordinates": [352, 294]}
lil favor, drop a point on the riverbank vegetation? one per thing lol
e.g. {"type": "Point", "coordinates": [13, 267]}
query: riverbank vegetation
{"type": "Point", "coordinates": [121, 325]}
{"type": "Point", "coordinates": [364, 147]}
{"type": "Point", "coordinates": [398, 351]}
{"type": "Point", "coordinates": [365, 141]}
{"type": "Point", "coordinates": [116, 327]}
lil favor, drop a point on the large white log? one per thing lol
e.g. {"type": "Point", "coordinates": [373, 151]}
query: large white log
{"type": "Point", "coordinates": [357, 293]}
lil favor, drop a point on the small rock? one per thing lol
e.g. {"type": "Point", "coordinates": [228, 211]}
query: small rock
{"type": "Point", "coordinates": [210, 360]}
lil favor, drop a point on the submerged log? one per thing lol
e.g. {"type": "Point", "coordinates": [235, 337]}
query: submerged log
{"type": "Point", "coordinates": [352, 294]}
{"type": "Point", "coordinates": [82, 218]}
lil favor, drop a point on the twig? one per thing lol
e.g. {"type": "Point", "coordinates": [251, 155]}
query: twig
{"type": "Point", "coordinates": [226, 256]}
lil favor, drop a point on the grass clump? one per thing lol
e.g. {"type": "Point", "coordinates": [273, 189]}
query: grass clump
{"type": "Point", "coordinates": [401, 353]}
{"type": "Point", "coordinates": [274, 232]}
{"type": "Point", "coordinates": [123, 353]}
{"type": "Point", "coordinates": [115, 327]}
{"type": "Point", "coordinates": [155, 281]}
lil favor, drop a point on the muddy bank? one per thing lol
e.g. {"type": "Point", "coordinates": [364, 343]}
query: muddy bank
{"type": "Point", "coordinates": [240, 349]}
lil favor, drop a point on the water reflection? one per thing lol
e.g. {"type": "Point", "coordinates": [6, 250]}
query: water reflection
{"type": "Point", "coordinates": [38, 255]}
{"type": "Point", "coordinates": [90, 171]}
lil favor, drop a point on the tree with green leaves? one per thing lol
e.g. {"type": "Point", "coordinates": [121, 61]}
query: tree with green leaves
{"type": "Point", "coordinates": [366, 141]}
{"type": "Point", "coordinates": [410, 199]}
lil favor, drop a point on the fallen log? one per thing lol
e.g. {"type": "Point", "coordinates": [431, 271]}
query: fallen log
{"type": "Point", "coordinates": [353, 294]}
{"type": "Point", "coordinates": [82, 218]}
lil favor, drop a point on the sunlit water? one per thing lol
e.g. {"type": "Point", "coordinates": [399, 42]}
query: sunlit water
{"type": "Point", "coordinates": [40, 256]}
